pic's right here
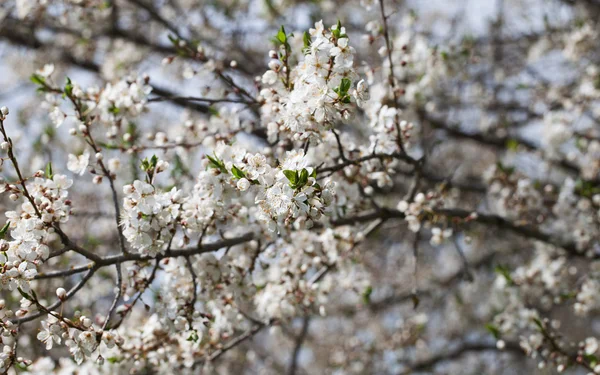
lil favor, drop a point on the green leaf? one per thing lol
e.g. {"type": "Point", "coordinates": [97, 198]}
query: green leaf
{"type": "Point", "coordinates": [68, 87]}
{"type": "Point", "coordinates": [38, 79]}
{"type": "Point", "coordinates": [303, 179]}
{"type": "Point", "coordinates": [415, 299]}
{"type": "Point", "coordinates": [505, 272]}
{"type": "Point", "coordinates": [292, 176]}
{"type": "Point", "coordinates": [149, 165]}
{"type": "Point", "coordinates": [215, 163]}
{"type": "Point", "coordinates": [568, 295]}
{"type": "Point", "coordinates": [193, 336]}
{"type": "Point", "coordinates": [21, 365]}
{"type": "Point", "coordinates": [591, 359]}
{"type": "Point", "coordinates": [345, 85]}
{"type": "Point", "coordinates": [114, 110]}
{"type": "Point", "coordinates": [213, 111]}
{"type": "Point", "coordinates": [506, 169]}
{"type": "Point", "coordinates": [174, 40]}
{"type": "Point", "coordinates": [49, 172]}
{"type": "Point", "coordinates": [366, 295]}
{"type": "Point", "coordinates": [4, 230]}
{"type": "Point", "coordinates": [337, 32]}
{"type": "Point", "coordinates": [238, 173]}
{"type": "Point", "coordinates": [493, 330]}
{"type": "Point", "coordinates": [307, 40]}
{"type": "Point", "coordinates": [314, 173]}
{"type": "Point", "coordinates": [512, 144]}
{"type": "Point", "coordinates": [281, 35]}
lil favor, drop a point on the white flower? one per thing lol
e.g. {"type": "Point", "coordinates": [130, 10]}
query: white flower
{"type": "Point", "coordinates": [361, 93]}
{"type": "Point", "coordinates": [591, 345]}
{"type": "Point", "coordinates": [114, 165]}
{"type": "Point", "coordinates": [402, 206]}
{"type": "Point", "coordinates": [78, 164]}
{"type": "Point", "coordinates": [50, 332]}
{"type": "Point", "coordinates": [243, 184]}
{"type": "Point", "coordinates": [57, 116]}
{"type": "Point", "coordinates": [269, 78]}
{"type": "Point", "coordinates": [46, 71]}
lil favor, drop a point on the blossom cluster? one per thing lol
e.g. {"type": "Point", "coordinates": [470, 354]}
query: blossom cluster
{"type": "Point", "coordinates": [32, 228]}
{"type": "Point", "coordinates": [305, 101]}
{"type": "Point", "coordinates": [149, 216]}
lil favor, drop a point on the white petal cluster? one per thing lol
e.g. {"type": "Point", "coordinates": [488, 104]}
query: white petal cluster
{"type": "Point", "coordinates": [127, 97]}
{"type": "Point", "coordinates": [30, 233]}
{"type": "Point", "coordinates": [149, 216]}
{"type": "Point", "coordinates": [320, 88]}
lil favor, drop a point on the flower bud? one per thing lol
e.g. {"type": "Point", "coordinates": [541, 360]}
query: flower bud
{"type": "Point", "coordinates": [61, 293]}
{"type": "Point", "coordinates": [85, 321]}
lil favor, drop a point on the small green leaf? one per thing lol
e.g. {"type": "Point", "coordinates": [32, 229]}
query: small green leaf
{"type": "Point", "coordinates": [591, 359]}
{"type": "Point", "coordinates": [292, 176]}
{"type": "Point", "coordinates": [49, 172]}
{"type": "Point", "coordinates": [493, 330]}
{"type": "Point", "coordinates": [415, 299]}
{"type": "Point", "coordinates": [174, 40]}
{"type": "Point", "coordinates": [505, 272]}
{"type": "Point", "coordinates": [193, 336]}
{"type": "Point", "coordinates": [281, 35]}
{"type": "Point", "coordinates": [345, 85]}
{"type": "Point", "coordinates": [68, 87]}
{"type": "Point", "coordinates": [512, 144]}
{"type": "Point", "coordinates": [114, 110]}
{"type": "Point", "coordinates": [366, 295]}
{"type": "Point", "coordinates": [4, 229]}
{"type": "Point", "coordinates": [21, 365]}
{"type": "Point", "coordinates": [38, 79]}
{"type": "Point", "coordinates": [215, 163]}
{"type": "Point", "coordinates": [213, 111]}
{"type": "Point", "coordinates": [337, 32]}
{"type": "Point", "coordinates": [303, 179]}
{"type": "Point", "coordinates": [238, 173]}
{"type": "Point", "coordinates": [506, 169]}
{"type": "Point", "coordinates": [307, 40]}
